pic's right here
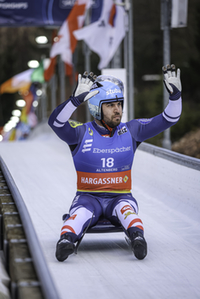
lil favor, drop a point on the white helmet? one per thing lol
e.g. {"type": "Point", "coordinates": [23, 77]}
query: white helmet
{"type": "Point", "coordinates": [110, 89]}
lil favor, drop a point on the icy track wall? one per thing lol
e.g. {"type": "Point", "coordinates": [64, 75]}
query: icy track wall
{"type": "Point", "coordinates": [169, 177]}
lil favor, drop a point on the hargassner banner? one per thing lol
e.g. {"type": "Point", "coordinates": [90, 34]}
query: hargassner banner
{"type": "Point", "coordinates": [34, 12]}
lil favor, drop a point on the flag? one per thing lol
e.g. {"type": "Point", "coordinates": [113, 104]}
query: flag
{"type": "Point", "coordinates": [105, 35]}
{"type": "Point", "coordinates": [12, 136]}
{"type": "Point", "coordinates": [50, 70]}
{"type": "Point", "coordinates": [65, 42]}
{"type": "Point", "coordinates": [22, 81]}
{"type": "Point", "coordinates": [38, 74]}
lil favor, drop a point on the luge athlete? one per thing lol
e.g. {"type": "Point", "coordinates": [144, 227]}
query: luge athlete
{"type": "Point", "coordinates": [103, 152]}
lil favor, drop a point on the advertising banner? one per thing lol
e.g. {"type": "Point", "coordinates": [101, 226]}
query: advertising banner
{"type": "Point", "coordinates": [34, 12]}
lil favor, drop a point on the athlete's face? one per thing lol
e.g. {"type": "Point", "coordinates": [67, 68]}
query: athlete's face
{"type": "Point", "coordinates": [112, 113]}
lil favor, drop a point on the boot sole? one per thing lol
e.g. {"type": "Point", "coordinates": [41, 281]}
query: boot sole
{"type": "Point", "coordinates": [139, 249]}
{"type": "Point", "coordinates": [63, 250]}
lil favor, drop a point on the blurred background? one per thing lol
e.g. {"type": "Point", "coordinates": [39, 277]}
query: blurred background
{"type": "Point", "coordinates": [21, 51]}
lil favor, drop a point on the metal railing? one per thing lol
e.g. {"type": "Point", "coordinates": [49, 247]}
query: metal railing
{"type": "Point", "coordinates": [46, 283]}
{"type": "Point", "coordinates": [170, 155]}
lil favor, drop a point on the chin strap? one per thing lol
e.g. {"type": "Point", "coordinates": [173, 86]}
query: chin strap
{"type": "Point", "coordinates": [111, 130]}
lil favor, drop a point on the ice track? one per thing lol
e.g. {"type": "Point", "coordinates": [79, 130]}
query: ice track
{"type": "Point", "coordinates": [168, 195]}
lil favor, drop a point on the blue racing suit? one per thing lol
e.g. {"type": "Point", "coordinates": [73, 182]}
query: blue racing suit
{"type": "Point", "coordinates": [103, 166]}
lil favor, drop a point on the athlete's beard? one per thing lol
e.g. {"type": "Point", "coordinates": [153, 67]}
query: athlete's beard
{"type": "Point", "coordinates": [113, 122]}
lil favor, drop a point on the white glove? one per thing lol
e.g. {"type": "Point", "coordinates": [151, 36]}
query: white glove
{"type": "Point", "coordinates": [82, 90]}
{"type": "Point", "coordinates": [172, 81]}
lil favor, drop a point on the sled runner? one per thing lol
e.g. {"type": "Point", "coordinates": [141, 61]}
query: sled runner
{"type": "Point", "coordinates": [102, 226]}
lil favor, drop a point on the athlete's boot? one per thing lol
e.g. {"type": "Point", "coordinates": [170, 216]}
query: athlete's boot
{"type": "Point", "coordinates": [139, 245]}
{"type": "Point", "coordinates": [64, 247]}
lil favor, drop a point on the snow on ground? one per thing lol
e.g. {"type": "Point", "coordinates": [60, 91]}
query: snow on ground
{"type": "Point", "coordinates": [168, 197]}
